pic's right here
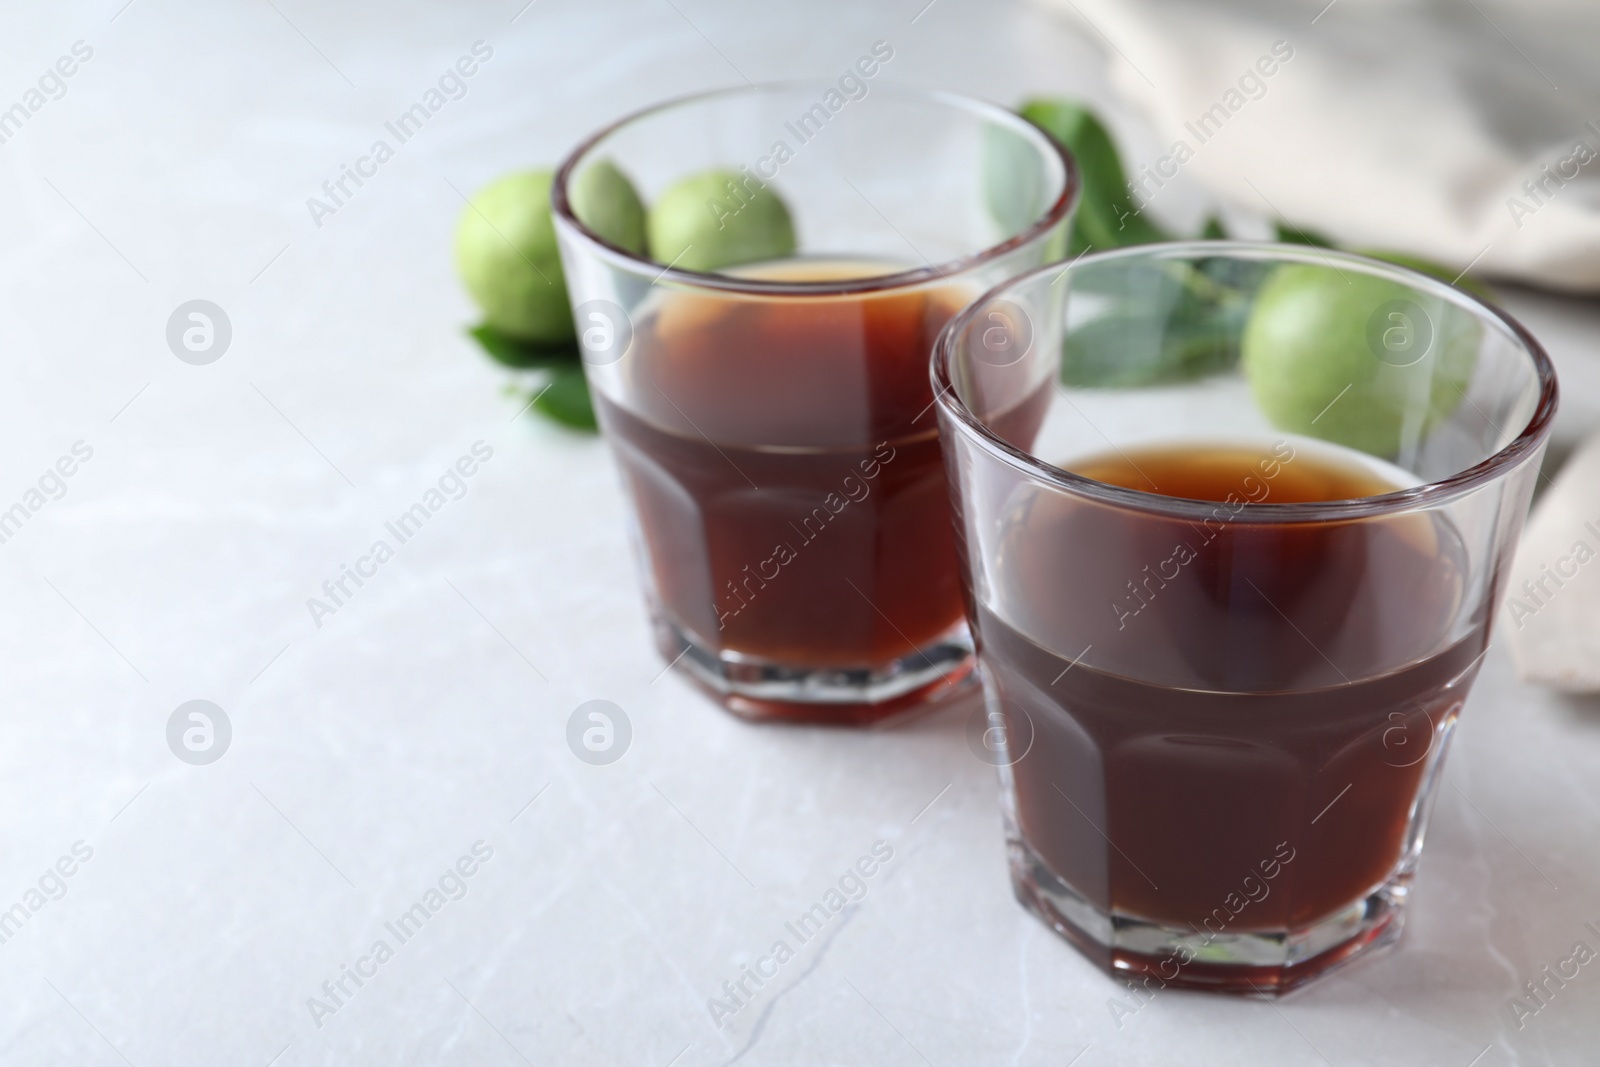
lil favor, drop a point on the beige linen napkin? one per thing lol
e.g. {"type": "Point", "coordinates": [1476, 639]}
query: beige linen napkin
{"type": "Point", "coordinates": [1552, 605]}
{"type": "Point", "coordinates": [1467, 131]}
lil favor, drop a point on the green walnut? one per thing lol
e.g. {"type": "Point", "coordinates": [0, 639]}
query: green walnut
{"type": "Point", "coordinates": [506, 253]}
{"type": "Point", "coordinates": [605, 200]}
{"type": "Point", "coordinates": [719, 219]}
{"type": "Point", "coordinates": [1354, 359]}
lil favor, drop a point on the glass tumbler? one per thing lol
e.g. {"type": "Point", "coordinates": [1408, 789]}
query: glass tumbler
{"type": "Point", "coordinates": [1234, 520]}
{"type": "Point", "coordinates": [772, 419]}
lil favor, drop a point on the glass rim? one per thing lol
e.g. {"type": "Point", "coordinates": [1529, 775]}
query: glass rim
{"type": "Point", "coordinates": [1428, 494]}
{"type": "Point", "coordinates": [1063, 205]}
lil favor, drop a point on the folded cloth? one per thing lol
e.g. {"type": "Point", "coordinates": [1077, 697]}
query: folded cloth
{"type": "Point", "coordinates": [1465, 131]}
{"type": "Point", "coordinates": [1552, 607]}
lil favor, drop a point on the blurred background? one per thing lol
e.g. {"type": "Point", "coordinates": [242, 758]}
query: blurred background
{"type": "Point", "coordinates": [214, 910]}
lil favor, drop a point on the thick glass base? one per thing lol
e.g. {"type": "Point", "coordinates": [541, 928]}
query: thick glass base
{"type": "Point", "coordinates": [1263, 962]}
{"type": "Point", "coordinates": [759, 689]}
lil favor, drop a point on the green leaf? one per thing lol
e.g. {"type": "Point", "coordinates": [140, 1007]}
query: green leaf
{"type": "Point", "coordinates": [1437, 270]}
{"type": "Point", "coordinates": [1294, 235]}
{"type": "Point", "coordinates": [522, 355]}
{"type": "Point", "coordinates": [1013, 180]}
{"type": "Point", "coordinates": [1107, 216]}
{"type": "Point", "coordinates": [1212, 230]}
{"type": "Point", "coordinates": [564, 397]}
{"type": "Point", "coordinates": [1167, 322]}
{"type": "Point", "coordinates": [566, 400]}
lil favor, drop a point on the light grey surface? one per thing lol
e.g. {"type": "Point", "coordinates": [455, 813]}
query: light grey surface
{"type": "Point", "coordinates": [369, 754]}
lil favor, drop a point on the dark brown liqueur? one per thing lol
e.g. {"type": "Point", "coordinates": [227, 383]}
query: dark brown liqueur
{"type": "Point", "coordinates": [1246, 691]}
{"type": "Point", "coordinates": [784, 459]}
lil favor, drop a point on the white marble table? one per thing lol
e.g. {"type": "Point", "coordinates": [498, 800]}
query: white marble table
{"type": "Point", "coordinates": [370, 755]}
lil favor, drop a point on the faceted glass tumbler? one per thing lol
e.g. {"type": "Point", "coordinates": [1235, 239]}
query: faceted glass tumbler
{"type": "Point", "coordinates": [772, 420]}
{"type": "Point", "coordinates": [1221, 713]}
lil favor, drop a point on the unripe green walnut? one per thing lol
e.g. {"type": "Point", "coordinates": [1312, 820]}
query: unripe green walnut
{"type": "Point", "coordinates": [1354, 359]}
{"type": "Point", "coordinates": [605, 200]}
{"type": "Point", "coordinates": [718, 219]}
{"type": "Point", "coordinates": [506, 253]}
